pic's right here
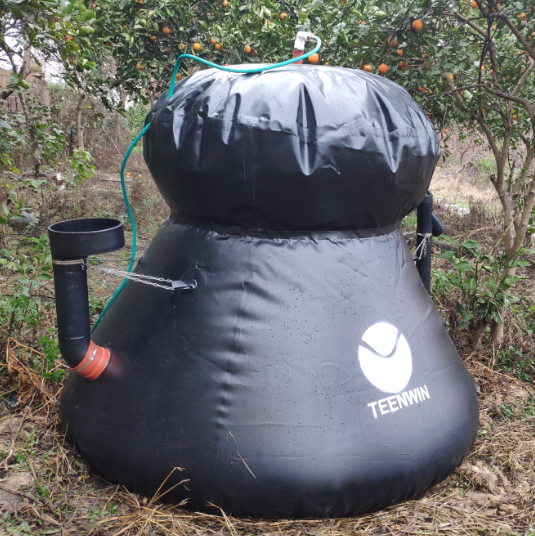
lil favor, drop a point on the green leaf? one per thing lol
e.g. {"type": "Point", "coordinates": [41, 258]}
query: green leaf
{"type": "Point", "coordinates": [464, 266]}
{"type": "Point", "coordinates": [472, 247]}
{"type": "Point", "coordinates": [495, 316]}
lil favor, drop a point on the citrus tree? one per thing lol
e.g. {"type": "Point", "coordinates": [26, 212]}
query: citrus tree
{"type": "Point", "coordinates": [468, 63]}
{"type": "Point", "coordinates": [54, 30]}
{"type": "Point", "coordinates": [471, 64]}
{"type": "Point", "coordinates": [46, 27]}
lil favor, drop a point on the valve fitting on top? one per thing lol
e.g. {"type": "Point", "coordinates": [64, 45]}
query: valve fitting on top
{"type": "Point", "coordinates": [299, 44]}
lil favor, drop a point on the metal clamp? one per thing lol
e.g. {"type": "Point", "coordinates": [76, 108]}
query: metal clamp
{"type": "Point", "coordinates": [73, 262]}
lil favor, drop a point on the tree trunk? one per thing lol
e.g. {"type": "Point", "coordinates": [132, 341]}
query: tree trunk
{"type": "Point", "coordinates": [79, 124]}
{"type": "Point", "coordinates": [34, 142]}
{"type": "Point", "coordinates": [24, 70]}
{"type": "Point", "coordinates": [118, 117]}
{"type": "Point", "coordinates": [496, 333]}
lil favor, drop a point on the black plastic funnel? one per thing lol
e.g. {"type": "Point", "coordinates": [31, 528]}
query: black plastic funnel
{"type": "Point", "coordinates": [75, 239]}
{"type": "Point", "coordinates": [71, 242]}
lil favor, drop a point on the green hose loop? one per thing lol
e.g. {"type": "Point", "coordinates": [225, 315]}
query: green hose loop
{"type": "Point", "coordinates": [242, 71]}
{"type": "Point", "coordinates": [140, 135]}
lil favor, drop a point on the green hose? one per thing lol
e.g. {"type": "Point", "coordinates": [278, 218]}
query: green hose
{"type": "Point", "coordinates": [140, 135]}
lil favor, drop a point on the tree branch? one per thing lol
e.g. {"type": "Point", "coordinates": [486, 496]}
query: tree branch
{"type": "Point", "coordinates": [473, 86]}
{"type": "Point", "coordinates": [518, 35]}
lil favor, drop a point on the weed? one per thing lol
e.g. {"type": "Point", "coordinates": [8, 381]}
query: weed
{"type": "Point", "coordinates": [514, 410]}
{"type": "Point", "coordinates": [81, 165]}
{"type": "Point", "coordinates": [50, 349]}
{"type": "Point", "coordinates": [409, 221]}
{"type": "Point", "coordinates": [31, 261]}
{"type": "Point", "coordinates": [483, 280]}
{"type": "Point", "coordinates": [513, 361]}
{"type": "Point", "coordinates": [486, 165]}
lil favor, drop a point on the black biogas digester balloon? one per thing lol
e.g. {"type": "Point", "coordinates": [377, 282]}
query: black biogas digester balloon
{"type": "Point", "coordinates": [308, 373]}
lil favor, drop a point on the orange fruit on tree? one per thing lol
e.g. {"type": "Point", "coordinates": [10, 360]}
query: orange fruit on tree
{"type": "Point", "coordinates": [392, 41]}
{"type": "Point", "coordinates": [473, 4]}
{"type": "Point", "coordinates": [182, 46]}
{"type": "Point", "coordinates": [515, 117]}
{"type": "Point", "coordinates": [247, 49]}
{"type": "Point", "coordinates": [314, 59]}
{"type": "Point", "coordinates": [326, 63]}
{"type": "Point", "coordinates": [522, 16]}
{"type": "Point", "coordinates": [383, 69]}
{"type": "Point", "coordinates": [225, 3]}
{"type": "Point", "coordinates": [178, 77]}
{"type": "Point", "coordinates": [138, 67]}
{"type": "Point", "coordinates": [446, 130]}
{"type": "Point", "coordinates": [197, 47]}
{"type": "Point", "coordinates": [283, 16]}
{"type": "Point", "coordinates": [482, 67]}
{"type": "Point", "coordinates": [153, 38]}
{"type": "Point", "coordinates": [94, 6]}
{"type": "Point", "coordinates": [403, 65]}
{"type": "Point", "coordinates": [255, 52]}
{"type": "Point", "coordinates": [494, 27]}
{"type": "Point", "coordinates": [417, 25]}
{"type": "Point", "coordinates": [399, 52]}
{"type": "Point", "coordinates": [166, 30]}
{"type": "Point", "coordinates": [450, 76]}
{"type": "Point", "coordinates": [517, 53]}
{"type": "Point", "coordinates": [168, 50]}
{"type": "Point", "coordinates": [217, 46]}
{"type": "Point", "coordinates": [429, 114]}
{"type": "Point", "coordinates": [213, 40]}
{"type": "Point", "coordinates": [69, 37]}
{"type": "Point", "coordinates": [368, 68]}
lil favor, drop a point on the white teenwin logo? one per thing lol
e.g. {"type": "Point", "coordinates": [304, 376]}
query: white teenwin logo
{"type": "Point", "coordinates": [385, 357]}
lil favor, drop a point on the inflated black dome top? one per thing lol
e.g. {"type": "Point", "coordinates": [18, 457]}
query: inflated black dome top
{"type": "Point", "coordinates": [293, 149]}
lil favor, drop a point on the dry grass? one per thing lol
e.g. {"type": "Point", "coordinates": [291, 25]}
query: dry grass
{"type": "Point", "coordinates": [46, 488]}
{"type": "Point", "coordinates": [463, 188]}
{"type": "Point", "coordinates": [491, 493]}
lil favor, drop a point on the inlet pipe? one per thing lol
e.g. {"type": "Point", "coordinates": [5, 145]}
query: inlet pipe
{"type": "Point", "coordinates": [71, 242]}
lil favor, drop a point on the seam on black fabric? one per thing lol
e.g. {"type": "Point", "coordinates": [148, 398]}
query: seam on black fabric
{"type": "Point", "coordinates": [222, 230]}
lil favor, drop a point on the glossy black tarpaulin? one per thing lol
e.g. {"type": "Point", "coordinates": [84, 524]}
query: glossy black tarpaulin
{"type": "Point", "coordinates": [308, 374]}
